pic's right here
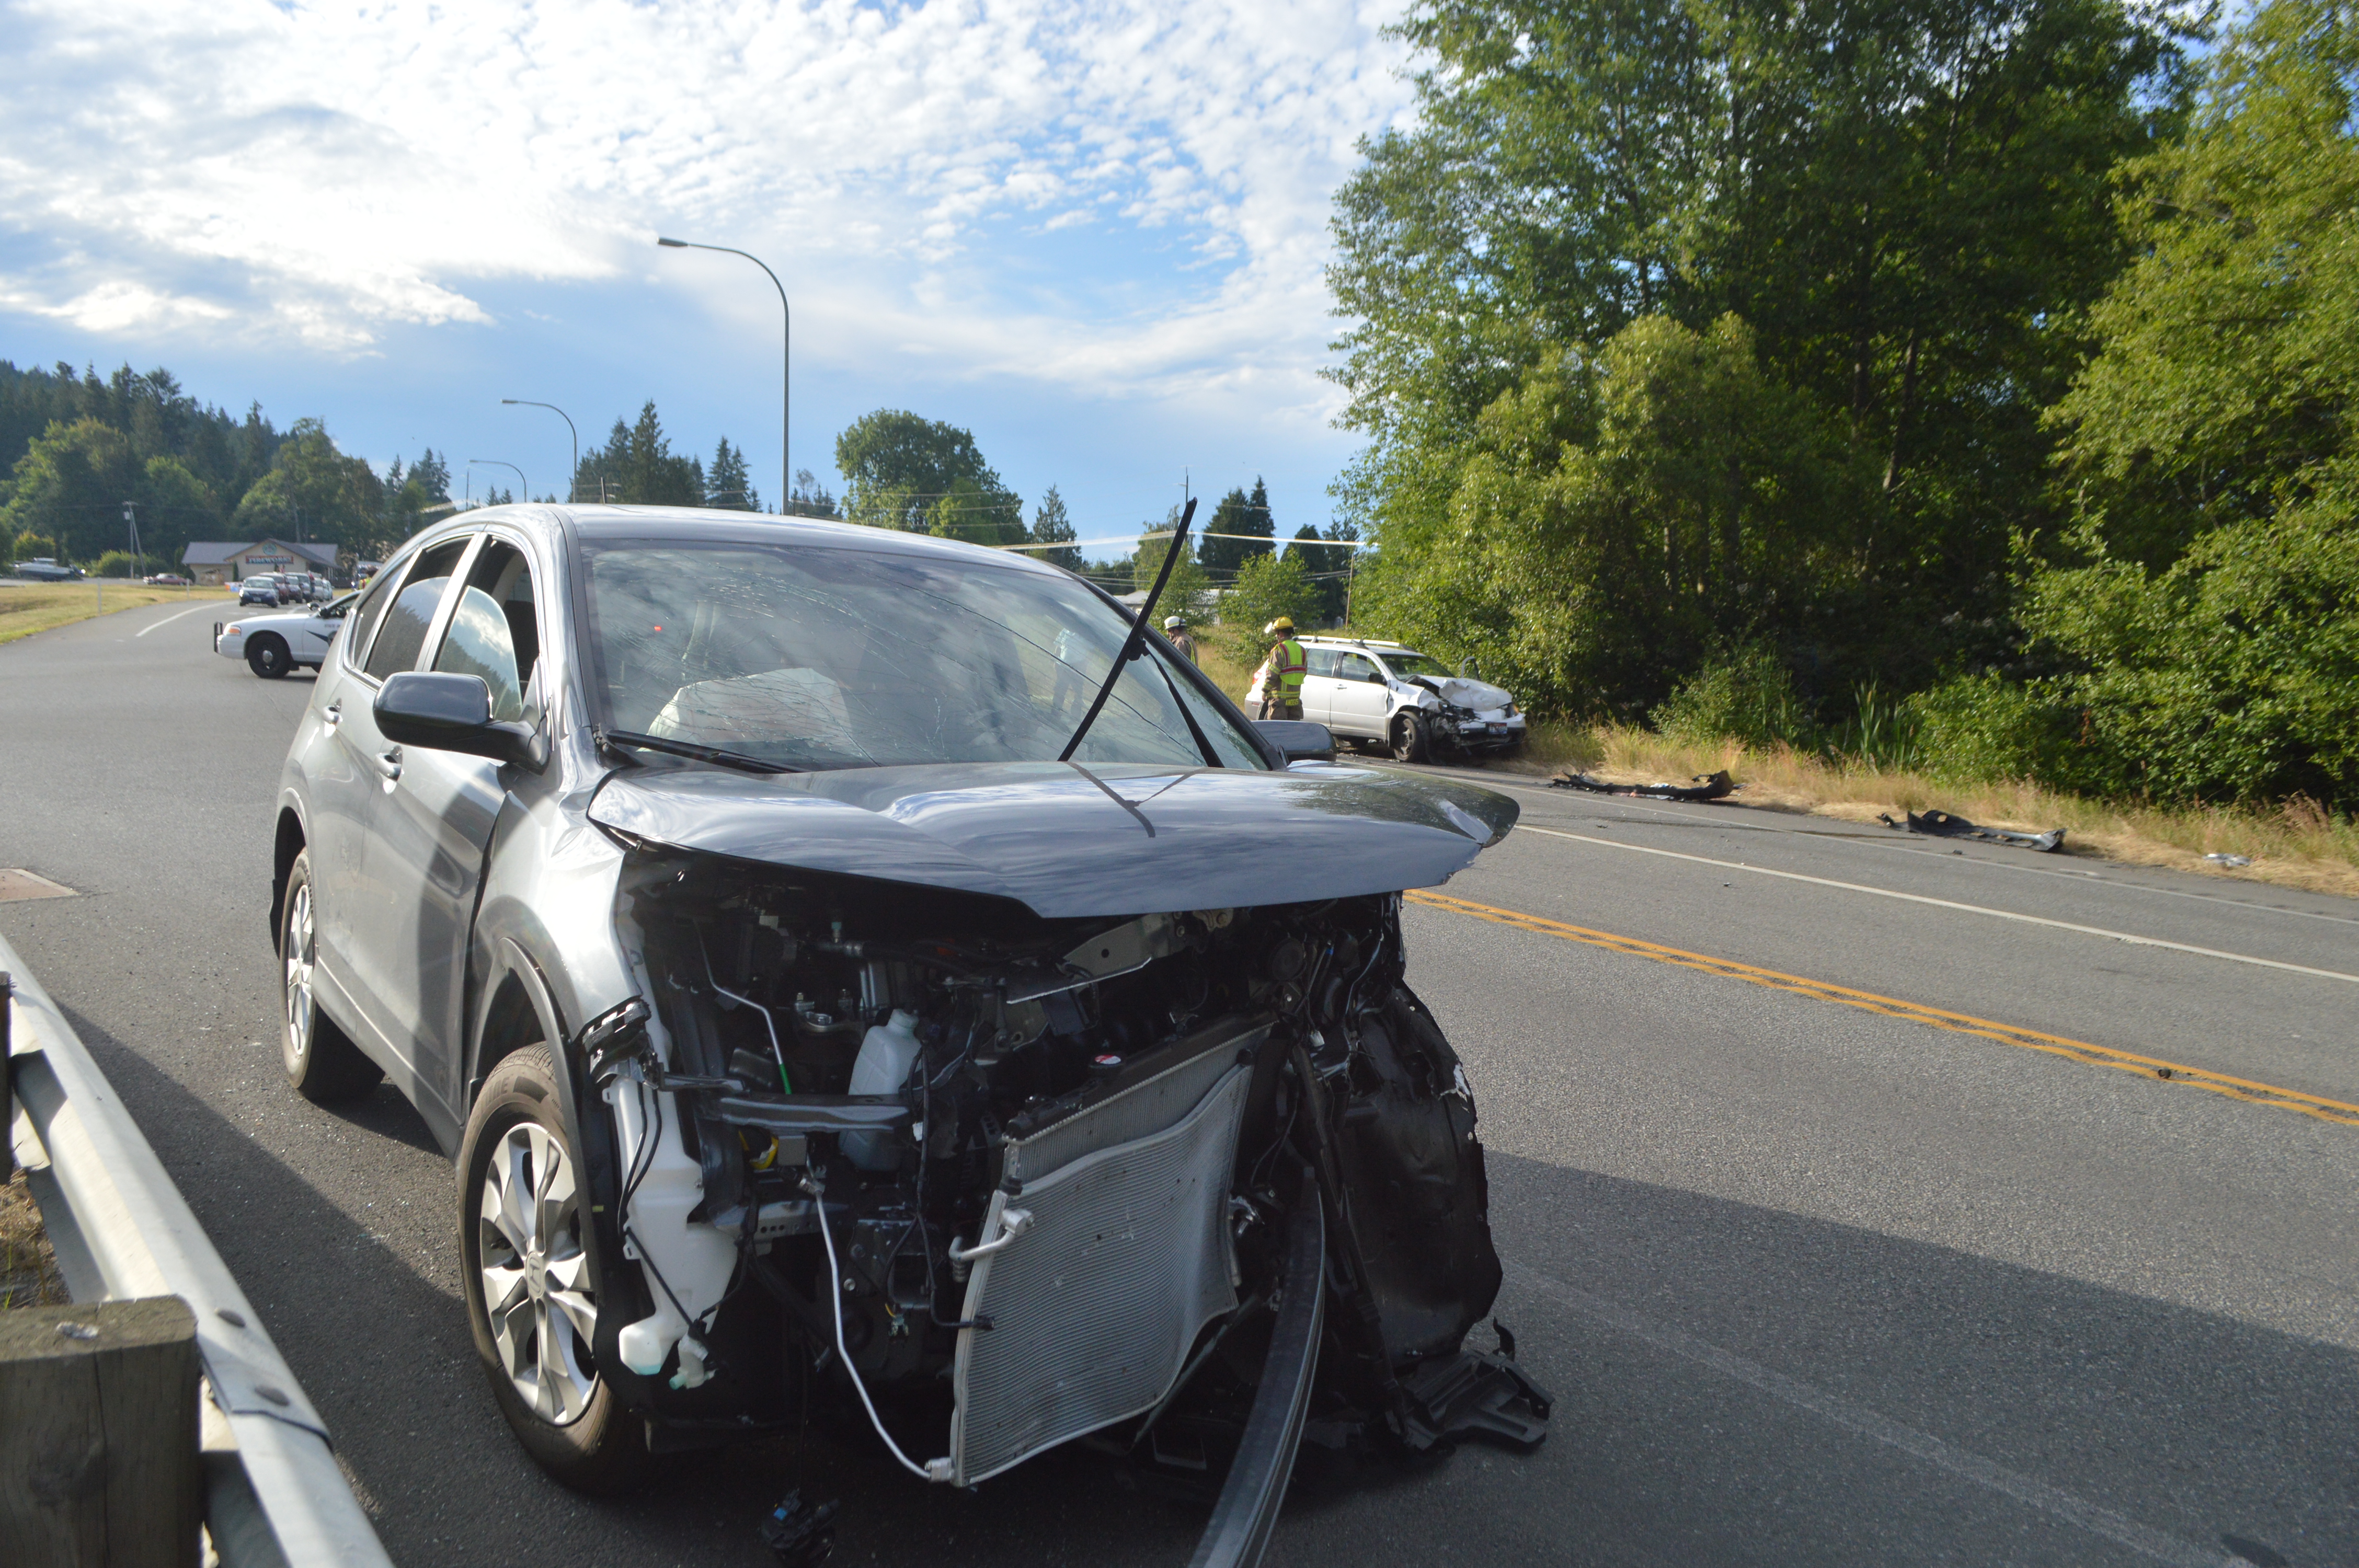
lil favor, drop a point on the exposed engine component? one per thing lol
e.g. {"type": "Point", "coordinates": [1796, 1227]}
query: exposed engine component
{"type": "Point", "coordinates": [1006, 1180]}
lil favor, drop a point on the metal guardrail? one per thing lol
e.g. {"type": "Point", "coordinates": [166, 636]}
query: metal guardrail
{"type": "Point", "coordinates": [274, 1497]}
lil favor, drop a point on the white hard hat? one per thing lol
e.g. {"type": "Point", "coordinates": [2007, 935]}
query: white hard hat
{"type": "Point", "coordinates": [1172, 623]}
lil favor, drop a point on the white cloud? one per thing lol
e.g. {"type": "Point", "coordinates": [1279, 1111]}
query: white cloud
{"type": "Point", "coordinates": [1114, 198]}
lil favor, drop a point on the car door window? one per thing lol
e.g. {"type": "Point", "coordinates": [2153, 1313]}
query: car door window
{"type": "Point", "coordinates": [403, 635]}
{"type": "Point", "coordinates": [1320, 660]}
{"type": "Point", "coordinates": [1356, 666]}
{"type": "Point", "coordinates": [494, 631]}
{"type": "Point", "coordinates": [364, 616]}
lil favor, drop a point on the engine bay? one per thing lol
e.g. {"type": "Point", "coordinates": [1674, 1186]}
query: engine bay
{"type": "Point", "coordinates": [866, 1076]}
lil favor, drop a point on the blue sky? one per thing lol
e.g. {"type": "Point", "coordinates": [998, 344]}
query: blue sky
{"type": "Point", "coordinates": [1092, 233]}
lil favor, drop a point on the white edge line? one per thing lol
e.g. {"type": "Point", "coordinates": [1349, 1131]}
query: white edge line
{"type": "Point", "coordinates": [1948, 904]}
{"type": "Point", "coordinates": [1959, 1462]}
{"type": "Point", "coordinates": [175, 616]}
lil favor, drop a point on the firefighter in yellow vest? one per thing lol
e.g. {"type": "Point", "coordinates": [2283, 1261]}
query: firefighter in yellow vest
{"type": "Point", "coordinates": [1281, 687]}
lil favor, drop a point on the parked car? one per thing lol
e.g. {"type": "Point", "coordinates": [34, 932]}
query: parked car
{"type": "Point", "coordinates": [41, 569]}
{"type": "Point", "coordinates": [292, 640]}
{"type": "Point", "coordinates": [1378, 693]}
{"type": "Point", "coordinates": [806, 1029]}
{"type": "Point", "coordinates": [165, 579]}
{"type": "Point", "coordinates": [257, 591]}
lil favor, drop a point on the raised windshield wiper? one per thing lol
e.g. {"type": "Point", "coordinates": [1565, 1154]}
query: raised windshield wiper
{"type": "Point", "coordinates": [739, 760]}
{"type": "Point", "coordinates": [1131, 644]}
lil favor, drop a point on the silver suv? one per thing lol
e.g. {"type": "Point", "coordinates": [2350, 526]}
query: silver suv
{"type": "Point", "coordinates": [857, 968]}
{"type": "Point", "coordinates": [1381, 694]}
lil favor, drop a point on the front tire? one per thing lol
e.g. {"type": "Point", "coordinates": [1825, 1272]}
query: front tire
{"type": "Point", "coordinates": [1411, 743]}
{"type": "Point", "coordinates": [322, 1062]}
{"type": "Point", "coordinates": [524, 1224]}
{"type": "Point", "coordinates": [267, 658]}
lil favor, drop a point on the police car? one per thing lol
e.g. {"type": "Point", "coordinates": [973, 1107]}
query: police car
{"type": "Point", "coordinates": [294, 639]}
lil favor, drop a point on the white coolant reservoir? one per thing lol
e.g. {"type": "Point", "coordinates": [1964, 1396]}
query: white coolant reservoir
{"type": "Point", "coordinates": [882, 1067]}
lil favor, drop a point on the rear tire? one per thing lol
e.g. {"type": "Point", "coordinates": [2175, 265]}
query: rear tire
{"type": "Point", "coordinates": [266, 656]}
{"type": "Point", "coordinates": [532, 1301]}
{"type": "Point", "coordinates": [322, 1062]}
{"type": "Point", "coordinates": [1411, 743]}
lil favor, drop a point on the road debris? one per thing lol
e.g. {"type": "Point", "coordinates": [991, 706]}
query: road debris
{"type": "Point", "coordinates": [1940, 823]}
{"type": "Point", "coordinates": [2221, 859]}
{"type": "Point", "coordinates": [1704, 786]}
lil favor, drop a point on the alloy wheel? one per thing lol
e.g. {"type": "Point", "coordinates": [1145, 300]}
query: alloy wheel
{"type": "Point", "coordinates": [536, 1290]}
{"type": "Point", "coordinates": [299, 948]}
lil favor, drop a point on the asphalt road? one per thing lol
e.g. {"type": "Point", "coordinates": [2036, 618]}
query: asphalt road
{"type": "Point", "coordinates": [1813, 1284]}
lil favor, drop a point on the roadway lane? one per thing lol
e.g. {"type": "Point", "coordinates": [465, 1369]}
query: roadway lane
{"type": "Point", "coordinates": [1812, 1285]}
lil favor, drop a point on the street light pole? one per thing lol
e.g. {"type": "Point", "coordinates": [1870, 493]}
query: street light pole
{"type": "Point", "coordinates": [495, 463]}
{"type": "Point", "coordinates": [786, 375]}
{"type": "Point", "coordinates": [561, 414]}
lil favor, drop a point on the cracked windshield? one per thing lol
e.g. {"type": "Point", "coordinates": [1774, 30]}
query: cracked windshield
{"type": "Point", "coordinates": [828, 657]}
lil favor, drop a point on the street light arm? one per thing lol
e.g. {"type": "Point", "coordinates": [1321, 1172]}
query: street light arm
{"type": "Point", "coordinates": [574, 479]}
{"type": "Point", "coordinates": [495, 463]}
{"type": "Point", "coordinates": [786, 389]}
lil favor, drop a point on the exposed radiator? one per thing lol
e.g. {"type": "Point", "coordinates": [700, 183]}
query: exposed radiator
{"type": "Point", "coordinates": [1095, 1305]}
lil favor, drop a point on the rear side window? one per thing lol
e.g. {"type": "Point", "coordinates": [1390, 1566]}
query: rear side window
{"type": "Point", "coordinates": [403, 636]}
{"type": "Point", "coordinates": [1320, 660]}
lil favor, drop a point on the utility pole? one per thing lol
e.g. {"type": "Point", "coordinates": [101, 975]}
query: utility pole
{"type": "Point", "coordinates": [131, 524]}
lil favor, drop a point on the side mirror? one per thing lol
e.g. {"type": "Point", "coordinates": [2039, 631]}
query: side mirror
{"type": "Point", "coordinates": [1299, 739]}
{"type": "Point", "coordinates": [453, 713]}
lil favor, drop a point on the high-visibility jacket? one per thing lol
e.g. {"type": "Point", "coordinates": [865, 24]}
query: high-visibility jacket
{"type": "Point", "coordinates": [1287, 667]}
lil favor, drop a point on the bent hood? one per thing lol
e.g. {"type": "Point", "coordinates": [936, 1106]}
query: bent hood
{"type": "Point", "coordinates": [1073, 842]}
{"type": "Point", "coordinates": [1480, 696]}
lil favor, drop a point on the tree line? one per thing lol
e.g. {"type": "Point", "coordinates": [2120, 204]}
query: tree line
{"type": "Point", "coordinates": [1995, 355]}
{"type": "Point", "coordinates": [903, 471]}
{"type": "Point", "coordinates": [76, 449]}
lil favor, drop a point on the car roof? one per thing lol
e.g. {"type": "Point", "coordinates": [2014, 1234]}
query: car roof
{"type": "Point", "coordinates": [608, 524]}
{"type": "Point", "coordinates": [1373, 644]}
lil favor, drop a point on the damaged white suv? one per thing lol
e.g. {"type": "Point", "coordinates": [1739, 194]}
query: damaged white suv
{"type": "Point", "coordinates": [851, 965]}
{"type": "Point", "coordinates": [1380, 694]}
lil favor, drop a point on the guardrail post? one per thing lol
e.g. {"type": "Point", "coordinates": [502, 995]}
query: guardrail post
{"type": "Point", "coordinates": [101, 1467]}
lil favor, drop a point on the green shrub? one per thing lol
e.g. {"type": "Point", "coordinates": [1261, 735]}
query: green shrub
{"type": "Point", "coordinates": [1984, 729]}
{"type": "Point", "coordinates": [122, 563]}
{"type": "Point", "coordinates": [1746, 694]}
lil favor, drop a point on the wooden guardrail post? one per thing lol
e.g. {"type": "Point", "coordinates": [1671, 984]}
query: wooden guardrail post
{"type": "Point", "coordinates": [99, 1464]}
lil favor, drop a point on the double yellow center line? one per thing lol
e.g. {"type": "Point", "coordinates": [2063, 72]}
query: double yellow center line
{"type": "Point", "coordinates": [1915, 1013]}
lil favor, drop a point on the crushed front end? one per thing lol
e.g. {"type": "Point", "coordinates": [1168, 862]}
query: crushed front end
{"type": "Point", "coordinates": [1196, 1185]}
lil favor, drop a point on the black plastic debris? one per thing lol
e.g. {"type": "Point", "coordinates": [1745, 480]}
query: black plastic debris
{"type": "Point", "coordinates": [800, 1535]}
{"type": "Point", "coordinates": [1705, 786]}
{"type": "Point", "coordinates": [1942, 824]}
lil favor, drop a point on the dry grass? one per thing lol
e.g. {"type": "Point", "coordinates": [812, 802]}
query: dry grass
{"type": "Point", "coordinates": [28, 607]}
{"type": "Point", "coordinates": [2297, 845]}
{"type": "Point", "coordinates": [28, 1274]}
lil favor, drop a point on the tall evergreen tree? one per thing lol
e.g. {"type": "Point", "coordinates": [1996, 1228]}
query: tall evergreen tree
{"type": "Point", "coordinates": [1051, 526]}
{"type": "Point", "coordinates": [638, 467]}
{"type": "Point", "coordinates": [1238, 513]}
{"type": "Point", "coordinates": [727, 483]}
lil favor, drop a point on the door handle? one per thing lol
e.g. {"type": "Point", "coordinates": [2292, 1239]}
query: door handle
{"type": "Point", "coordinates": [333, 714]}
{"type": "Point", "coordinates": [389, 763]}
